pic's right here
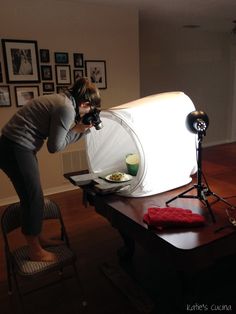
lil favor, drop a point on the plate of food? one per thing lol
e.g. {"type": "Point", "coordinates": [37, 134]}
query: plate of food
{"type": "Point", "coordinates": [118, 177]}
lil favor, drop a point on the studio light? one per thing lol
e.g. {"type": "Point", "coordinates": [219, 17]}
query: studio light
{"type": "Point", "coordinates": [197, 121]}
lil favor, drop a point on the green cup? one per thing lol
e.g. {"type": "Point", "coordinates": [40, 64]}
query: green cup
{"type": "Point", "coordinates": [132, 163]}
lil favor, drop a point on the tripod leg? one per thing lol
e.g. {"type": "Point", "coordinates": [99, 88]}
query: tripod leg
{"type": "Point", "coordinates": [180, 195]}
{"type": "Point", "coordinates": [218, 198]}
{"type": "Point", "coordinates": [204, 199]}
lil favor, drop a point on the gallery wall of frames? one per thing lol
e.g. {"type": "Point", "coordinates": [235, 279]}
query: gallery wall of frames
{"type": "Point", "coordinates": [28, 71]}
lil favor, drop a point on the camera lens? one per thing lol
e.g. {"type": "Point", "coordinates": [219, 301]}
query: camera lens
{"type": "Point", "coordinates": [93, 118]}
{"type": "Point", "coordinates": [98, 126]}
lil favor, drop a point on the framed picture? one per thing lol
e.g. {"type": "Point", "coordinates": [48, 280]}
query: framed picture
{"type": "Point", "coordinates": [78, 60]}
{"type": "Point", "coordinates": [48, 87]}
{"type": "Point", "coordinates": [21, 60]}
{"type": "Point", "coordinates": [46, 72]}
{"type": "Point", "coordinates": [5, 99]}
{"type": "Point", "coordinates": [61, 88]}
{"type": "Point", "coordinates": [44, 55]}
{"type": "Point", "coordinates": [78, 74]}
{"type": "Point", "coordinates": [96, 72]}
{"type": "Point", "coordinates": [63, 75]}
{"type": "Point", "coordinates": [1, 78]}
{"type": "Point", "coordinates": [24, 94]}
{"type": "Point", "coordinates": [61, 57]}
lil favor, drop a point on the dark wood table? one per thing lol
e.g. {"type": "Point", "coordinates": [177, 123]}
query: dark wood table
{"type": "Point", "coordinates": [183, 252]}
{"type": "Point", "coordinates": [187, 248]}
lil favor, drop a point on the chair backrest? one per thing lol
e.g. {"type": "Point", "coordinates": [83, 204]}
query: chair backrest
{"type": "Point", "coordinates": [17, 255]}
{"type": "Point", "coordinates": [51, 210]}
{"type": "Point", "coordinates": [11, 218]}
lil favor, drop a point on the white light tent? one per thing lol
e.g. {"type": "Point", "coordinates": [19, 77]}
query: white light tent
{"type": "Point", "coordinates": [153, 127]}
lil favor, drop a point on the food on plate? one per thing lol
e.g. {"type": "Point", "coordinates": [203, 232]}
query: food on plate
{"type": "Point", "coordinates": [117, 176]}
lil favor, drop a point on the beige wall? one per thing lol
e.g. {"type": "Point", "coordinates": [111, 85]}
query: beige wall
{"type": "Point", "coordinates": [100, 33]}
{"type": "Point", "coordinates": [200, 63]}
{"type": "Point", "coordinates": [194, 61]}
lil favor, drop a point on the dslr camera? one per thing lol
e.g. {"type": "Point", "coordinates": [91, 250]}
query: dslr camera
{"type": "Point", "coordinates": [93, 118]}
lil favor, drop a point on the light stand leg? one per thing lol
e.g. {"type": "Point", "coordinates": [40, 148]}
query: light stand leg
{"type": "Point", "coordinates": [220, 199]}
{"type": "Point", "coordinates": [205, 201]}
{"type": "Point", "coordinates": [202, 190]}
{"type": "Point", "coordinates": [182, 195]}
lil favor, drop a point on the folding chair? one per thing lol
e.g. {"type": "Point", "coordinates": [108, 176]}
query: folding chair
{"type": "Point", "coordinates": [17, 260]}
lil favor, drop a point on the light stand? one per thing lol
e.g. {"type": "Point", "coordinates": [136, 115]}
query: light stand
{"type": "Point", "coordinates": [197, 122]}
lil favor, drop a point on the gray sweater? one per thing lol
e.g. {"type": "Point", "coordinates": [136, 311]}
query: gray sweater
{"type": "Point", "coordinates": [46, 117]}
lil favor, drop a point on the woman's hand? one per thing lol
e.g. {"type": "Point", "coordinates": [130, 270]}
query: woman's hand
{"type": "Point", "coordinates": [81, 128]}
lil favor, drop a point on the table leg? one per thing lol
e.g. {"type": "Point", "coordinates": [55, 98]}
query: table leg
{"type": "Point", "coordinates": [126, 252]}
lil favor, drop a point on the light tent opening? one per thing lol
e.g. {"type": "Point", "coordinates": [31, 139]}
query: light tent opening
{"type": "Point", "coordinates": [153, 127]}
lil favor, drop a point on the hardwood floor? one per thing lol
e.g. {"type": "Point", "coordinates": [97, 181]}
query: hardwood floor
{"type": "Point", "coordinates": [96, 243]}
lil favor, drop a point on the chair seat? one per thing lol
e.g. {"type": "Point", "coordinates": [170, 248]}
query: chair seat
{"type": "Point", "coordinates": [19, 266]}
{"type": "Point", "coordinates": [26, 267]}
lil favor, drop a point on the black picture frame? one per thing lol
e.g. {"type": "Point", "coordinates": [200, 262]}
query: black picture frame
{"type": "Point", "coordinates": [24, 94]}
{"type": "Point", "coordinates": [63, 74]}
{"type": "Point", "coordinates": [48, 87]}
{"type": "Point", "coordinates": [61, 57]}
{"type": "Point", "coordinates": [1, 77]}
{"type": "Point", "coordinates": [46, 72]}
{"type": "Point", "coordinates": [96, 72]}
{"type": "Point", "coordinates": [61, 88]}
{"type": "Point", "coordinates": [78, 60]}
{"type": "Point", "coordinates": [78, 74]}
{"type": "Point", "coordinates": [21, 60]}
{"type": "Point", "coordinates": [5, 96]}
{"type": "Point", "coordinates": [44, 55]}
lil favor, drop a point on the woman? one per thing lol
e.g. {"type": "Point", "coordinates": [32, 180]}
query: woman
{"type": "Point", "coordinates": [57, 118]}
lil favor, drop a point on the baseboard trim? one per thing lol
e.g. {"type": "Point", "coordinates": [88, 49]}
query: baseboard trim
{"type": "Point", "coordinates": [50, 191]}
{"type": "Point", "coordinates": [60, 189]}
{"type": "Point", "coordinates": [69, 186]}
{"type": "Point", "coordinates": [217, 143]}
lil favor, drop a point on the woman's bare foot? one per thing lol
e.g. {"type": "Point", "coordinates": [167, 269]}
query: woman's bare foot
{"type": "Point", "coordinates": [42, 256]}
{"type": "Point", "coordinates": [36, 252]}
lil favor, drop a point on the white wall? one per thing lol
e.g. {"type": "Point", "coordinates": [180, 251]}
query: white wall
{"type": "Point", "coordinates": [195, 62]}
{"type": "Point", "coordinates": [100, 33]}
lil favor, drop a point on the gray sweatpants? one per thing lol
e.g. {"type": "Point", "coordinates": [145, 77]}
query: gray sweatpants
{"type": "Point", "coordinates": [21, 166]}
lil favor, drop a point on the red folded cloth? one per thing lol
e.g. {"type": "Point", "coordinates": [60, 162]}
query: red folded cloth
{"type": "Point", "coordinates": [164, 217]}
